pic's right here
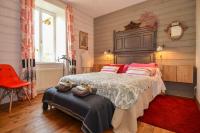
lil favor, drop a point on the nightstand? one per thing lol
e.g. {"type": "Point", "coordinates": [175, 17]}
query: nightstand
{"type": "Point", "coordinates": [179, 80]}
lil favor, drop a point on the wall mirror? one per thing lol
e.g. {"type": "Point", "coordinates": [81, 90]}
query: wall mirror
{"type": "Point", "coordinates": [175, 30]}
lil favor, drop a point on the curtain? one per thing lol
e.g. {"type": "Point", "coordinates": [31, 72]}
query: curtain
{"type": "Point", "coordinates": [28, 72]}
{"type": "Point", "coordinates": [71, 53]}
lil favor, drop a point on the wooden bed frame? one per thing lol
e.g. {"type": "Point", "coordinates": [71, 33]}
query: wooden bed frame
{"type": "Point", "coordinates": [134, 45]}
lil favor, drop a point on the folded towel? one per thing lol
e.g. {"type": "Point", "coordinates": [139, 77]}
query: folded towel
{"type": "Point", "coordinates": [83, 90]}
{"type": "Point", "coordinates": [65, 86]}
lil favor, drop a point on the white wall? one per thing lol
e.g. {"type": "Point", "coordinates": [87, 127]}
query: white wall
{"type": "Point", "coordinates": [84, 22]}
{"type": "Point", "coordinates": [10, 46]}
{"type": "Point", "coordinates": [198, 47]}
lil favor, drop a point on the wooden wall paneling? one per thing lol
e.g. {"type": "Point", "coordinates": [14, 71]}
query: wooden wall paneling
{"type": "Point", "coordinates": [83, 22]}
{"type": "Point", "coordinates": [185, 74]}
{"type": "Point", "coordinates": [181, 52]}
{"type": "Point", "coordinates": [10, 33]}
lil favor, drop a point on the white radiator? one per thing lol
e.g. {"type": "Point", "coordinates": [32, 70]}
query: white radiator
{"type": "Point", "coordinates": [47, 75]}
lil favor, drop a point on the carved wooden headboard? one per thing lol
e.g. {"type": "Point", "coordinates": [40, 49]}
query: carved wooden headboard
{"type": "Point", "coordinates": [135, 45]}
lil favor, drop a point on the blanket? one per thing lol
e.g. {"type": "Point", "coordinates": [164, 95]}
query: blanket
{"type": "Point", "coordinates": [94, 111]}
{"type": "Point", "coordinates": [121, 89]}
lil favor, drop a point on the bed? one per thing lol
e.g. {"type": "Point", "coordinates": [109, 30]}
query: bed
{"type": "Point", "coordinates": [122, 97]}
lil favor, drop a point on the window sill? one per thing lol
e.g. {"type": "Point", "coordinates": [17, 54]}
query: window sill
{"type": "Point", "coordinates": [48, 63]}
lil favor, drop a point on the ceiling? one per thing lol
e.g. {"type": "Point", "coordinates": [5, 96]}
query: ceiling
{"type": "Point", "coordinates": [96, 8]}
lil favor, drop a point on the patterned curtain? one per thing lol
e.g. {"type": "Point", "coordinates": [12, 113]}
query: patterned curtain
{"type": "Point", "coordinates": [71, 53]}
{"type": "Point", "coordinates": [27, 45]}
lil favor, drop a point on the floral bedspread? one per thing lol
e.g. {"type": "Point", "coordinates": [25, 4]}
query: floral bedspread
{"type": "Point", "coordinates": [122, 89]}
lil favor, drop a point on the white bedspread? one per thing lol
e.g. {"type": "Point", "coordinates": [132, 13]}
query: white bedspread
{"type": "Point", "coordinates": [121, 89]}
{"type": "Point", "coordinates": [158, 85]}
{"type": "Point", "coordinates": [125, 121]}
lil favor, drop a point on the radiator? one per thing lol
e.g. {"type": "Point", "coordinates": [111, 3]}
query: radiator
{"type": "Point", "coordinates": [48, 76]}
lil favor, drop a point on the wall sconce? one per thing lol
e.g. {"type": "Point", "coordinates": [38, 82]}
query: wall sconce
{"type": "Point", "coordinates": [108, 55]}
{"type": "Point", "coordinates": [160, 49]}
{"type": "Point", "coordinates": [107, 52]}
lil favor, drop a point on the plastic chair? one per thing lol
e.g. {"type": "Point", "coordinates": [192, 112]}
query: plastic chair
{"type": "Point", "coordinates": [10, 83]}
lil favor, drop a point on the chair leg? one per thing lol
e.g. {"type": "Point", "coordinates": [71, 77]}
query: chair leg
{"type": "Point", "coordinates": [27, 96]}
{"type": "Point", "coordinates": [2, 95]}
{"type": "Point", "coordinates": [17, 93]}
{"type": "Point", "coordinates": [11, 99]}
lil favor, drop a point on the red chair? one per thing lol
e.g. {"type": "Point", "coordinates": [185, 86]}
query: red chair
{"type": "Point", "coordinates": [10, 83]}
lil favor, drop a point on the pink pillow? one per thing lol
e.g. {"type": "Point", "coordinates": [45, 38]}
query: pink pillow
{"type": "Point", "coordinates": [143, 65]}
{"type": "Point", "coordinates": [110, 69]}
{"type": "Point", "coordinates": [146, 71]}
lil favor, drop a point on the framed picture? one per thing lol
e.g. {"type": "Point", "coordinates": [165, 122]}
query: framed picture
{"type": "Point", "coordinates": [83, 40]}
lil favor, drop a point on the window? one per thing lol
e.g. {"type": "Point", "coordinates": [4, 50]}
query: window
{"type": "Point", "coordinates": [50, 32]}
{"type": "Point", "coordinates": [45, 35]}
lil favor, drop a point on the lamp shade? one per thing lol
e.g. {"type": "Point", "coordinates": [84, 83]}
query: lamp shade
{"type": "Point", "coordinates": [107, 52]}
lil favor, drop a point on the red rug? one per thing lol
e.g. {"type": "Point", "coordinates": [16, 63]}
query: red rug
{"type": "Point", "coordinates": [176, 114]}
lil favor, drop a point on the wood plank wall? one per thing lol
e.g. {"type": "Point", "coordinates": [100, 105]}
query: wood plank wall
{"type": "Point", "coordinates": [83, 22]}
{"type": "Point", "coordinates": [10, 33]}
{"type": "Point", "coordinates": [175, 52]}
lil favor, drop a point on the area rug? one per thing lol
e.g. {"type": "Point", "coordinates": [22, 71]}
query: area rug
{"type": "Point", "coordinates": [177, 114]}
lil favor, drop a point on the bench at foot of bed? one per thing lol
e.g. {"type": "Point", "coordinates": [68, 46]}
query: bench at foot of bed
{"type": "Point", "coordinates": [94, 111]}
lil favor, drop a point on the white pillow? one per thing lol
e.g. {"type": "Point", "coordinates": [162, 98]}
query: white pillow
{"type": "Point", "coordinates": [110, 69]}
{"type": "Point", "coordinates": [145, 71]}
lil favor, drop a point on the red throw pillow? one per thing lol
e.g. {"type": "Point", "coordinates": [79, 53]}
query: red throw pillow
{"type": "Point", "coordinates": [125, 68]}
{"type": "Point", "coordinates": [121, 67]}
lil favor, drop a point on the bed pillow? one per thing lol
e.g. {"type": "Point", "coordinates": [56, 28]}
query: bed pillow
{"type": "Point", "coordinates": [125, 68]}
{"type": "Point", "coordinates": [144, 65]}
{"type": "Point", "coordinates": [110, 69]}
{"type": "Point", "coordinates": [121, 67]}
{"type": "Point", "coordinates": [146, 71]}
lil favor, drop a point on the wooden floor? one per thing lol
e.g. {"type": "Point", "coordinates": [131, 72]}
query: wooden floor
{"type": "Point", "coordinates": [26, 118]}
